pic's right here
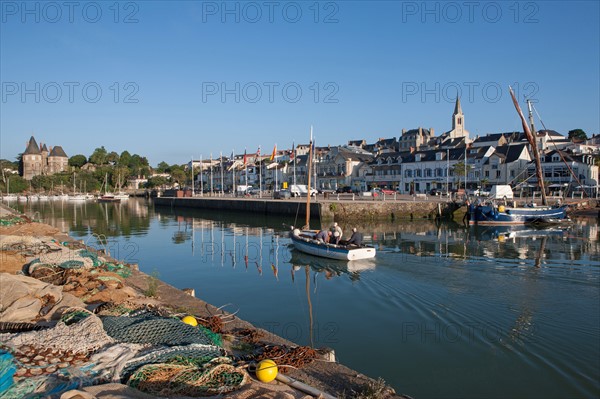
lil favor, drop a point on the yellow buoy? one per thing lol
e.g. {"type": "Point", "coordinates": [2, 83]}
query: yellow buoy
{"type": "Point", "coordinates": [501, 208]}
{"type": "Point", "coordinates": [266, 370]}
{"type": "Point", "coordinates": [191, 320]}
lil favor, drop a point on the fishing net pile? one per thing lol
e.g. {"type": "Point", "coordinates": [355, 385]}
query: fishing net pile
{"type": "Point", "coordinates": [156, 354]}
{"type": "Point", "coordinates": [79, 271]}
{"type": "Point", "coordinates": [52, 341]}
{"type": "Point", "coordinates": [11, 220]}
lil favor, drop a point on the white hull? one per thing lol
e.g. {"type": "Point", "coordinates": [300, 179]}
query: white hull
{"type": "Point", "coordinates": [303, 243]}
{"type": "Point", "coordinates": [77, 198]}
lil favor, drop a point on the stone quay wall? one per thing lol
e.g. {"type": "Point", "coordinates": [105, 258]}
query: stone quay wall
{"type": "Point", "coordinates": [321, 209]}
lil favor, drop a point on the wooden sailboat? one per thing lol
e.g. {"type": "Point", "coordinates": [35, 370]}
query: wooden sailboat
{"type": "Point", "coordinates": [305, 240]}
{"type": "Point", "coordinates": [501, 214]}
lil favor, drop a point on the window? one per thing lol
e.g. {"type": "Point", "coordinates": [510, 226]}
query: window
{"type": "Point", "coordinates": [497, 174]}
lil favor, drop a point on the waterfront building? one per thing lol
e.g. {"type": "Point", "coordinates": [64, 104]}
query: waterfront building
{"type": "Point", "coordinates": [506, 165]}
{"type": "Point", "coordinates": [556, 164]}
{"type": "Point", "coordinates": [415, 138]}
{"type": "Point", "coordinates": [40, 160]}
{"type": "Point", "coordinates": [339, 166]}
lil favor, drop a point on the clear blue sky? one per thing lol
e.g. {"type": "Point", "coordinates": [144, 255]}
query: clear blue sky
{"type": "Point", "coordinates": [365, 70]}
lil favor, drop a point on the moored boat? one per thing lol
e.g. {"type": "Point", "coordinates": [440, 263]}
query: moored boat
{"type": "Point", "coordinates": [108, 198]}
{"type": "Point", "coordinates": [77, 197]}
{"type": "Point", "coordinates": [493, 214]}
{"type": "Point", "coordinates": [9, 197]}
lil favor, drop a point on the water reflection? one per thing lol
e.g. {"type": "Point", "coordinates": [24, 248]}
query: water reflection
{"type": "Point", "coordinates": [128, 218]}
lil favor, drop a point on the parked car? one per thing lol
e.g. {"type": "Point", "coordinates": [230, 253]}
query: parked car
{"type": "Point", "coordinates": [300, 190]}
{"type": "Point", "coordinates": [345, 189]}
{"type": "Point", "coordinates": [481, 192]}
{"type": "Point", "coordinates": [387, 191]}
{"type": "Point", "coordinates": [435, 191]}
{"type": "Point", "coordinates": [253, 191]}
{"type": "Point", "coordinates": [282, 194]}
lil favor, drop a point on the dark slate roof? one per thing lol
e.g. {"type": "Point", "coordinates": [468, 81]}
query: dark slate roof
{"type": "Point", "coordinates": [451, 143]}
{"type": "Point", "coordinates": [510, 152]}
{"type": "Point", "coordinates": [416, 132]}
{"type": "Point", "coordinates": [391, 141]}
{"type": "Point", "coordinates": [300, 160]}
{"type": "Point", "coordinates": [44, 148]}
{"type": "Point", "coordinates": [568, 156]}
{"type": "Point", "coordinates": [32, 147]}
{"type": "Point", "coordinates": [355, 156]}
{"type": "Point", "coordinates": [57, 151]}
{"type": "Point", "coordinates": [356, 143]}
{"type": "Point", "coordinates": [489, 137]}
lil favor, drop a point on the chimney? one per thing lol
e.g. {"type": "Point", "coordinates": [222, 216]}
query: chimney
{"type": "Point", "coordinates": [403, 131]}
{"type": "Point", "coordinates": [431, 131]}
{"type": "Point", "coordinates": [420, 131]}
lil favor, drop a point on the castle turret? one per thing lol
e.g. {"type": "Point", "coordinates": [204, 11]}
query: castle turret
{"type": "Point", "coordinates": [32, 160]}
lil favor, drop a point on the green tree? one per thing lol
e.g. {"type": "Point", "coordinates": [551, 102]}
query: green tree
{"type": "Point", "coordinates": [162, 167]}
{"type": "Point", "coordinates": [125, 158]}
{"type": "Point", "coordinates": [77, 161]}
{"type": "Point", "coordinates": [459, 171]}
{"type": "Point", "coordinates": [156, 181]}
{"type": "Point", "coordinates": [42, 182]}
{"type": "Point", "coordinates": [6, 164]}
{"type": "Point", "coordinates": [178, 174]}
{"type": "Point", "coordinates": [577, 134]}
{"type": "Point", "coordinates": [14, 183]}
{"type": "Point", "coordinates": [119, 176]}
{"type": "Point", "coordinates": [99, 156]}
{"type": "Point", "coordinates": [112, 158]}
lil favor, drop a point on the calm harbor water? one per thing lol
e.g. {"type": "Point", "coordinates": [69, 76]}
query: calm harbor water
{"type": "Point", "coordinates": [443, 311]}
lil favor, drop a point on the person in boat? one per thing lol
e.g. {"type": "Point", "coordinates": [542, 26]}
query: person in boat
{"type": "Point", "coordinates": [323, 235]}
{"type": "Point", "coordinates": [337, 232]}
{"type": "Point", "coordinates": [356, 238]}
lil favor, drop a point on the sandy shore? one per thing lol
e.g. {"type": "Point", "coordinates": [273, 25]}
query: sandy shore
{"type": "Point", "coordinates": [242, 341]}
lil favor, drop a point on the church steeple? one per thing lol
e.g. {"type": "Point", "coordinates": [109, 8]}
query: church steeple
{"type": "Point", "coordinates": [457, 107]}
{"type": "Point", "coordinates": [458, 120]}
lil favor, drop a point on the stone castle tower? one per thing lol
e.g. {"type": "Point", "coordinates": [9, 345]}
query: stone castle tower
{"type": "Point", "coordinates": [38, 160]}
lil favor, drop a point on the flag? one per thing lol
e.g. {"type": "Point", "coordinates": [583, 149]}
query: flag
{"type": "Point", "coordinates": [273, 153]}
{"type": "Point", "coordinates": [293, 152]}
{"type": "Point", "coordinates": [245, 157]}
{"type": "Point", "coordinates": [258, 152]}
